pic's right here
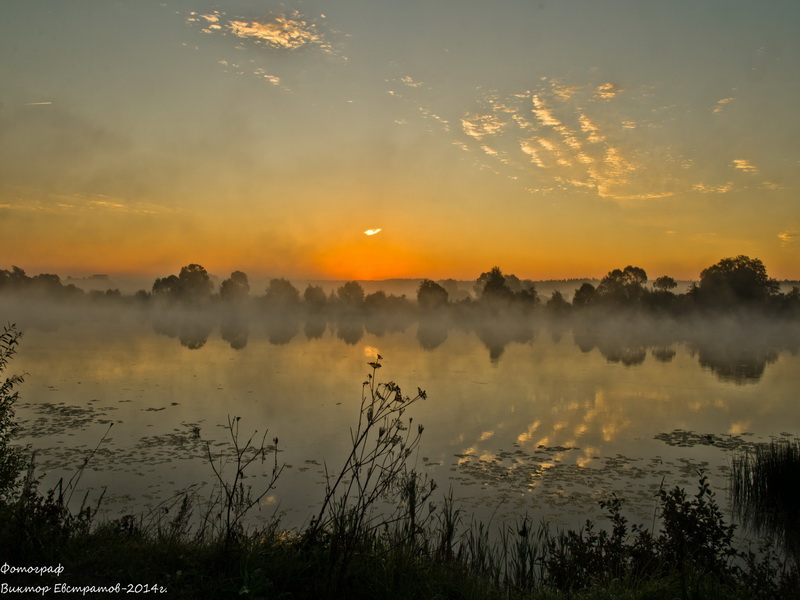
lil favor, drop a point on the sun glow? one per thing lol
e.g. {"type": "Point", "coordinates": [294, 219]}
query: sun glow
{"type": "Point", "coordinates": [372, 231]}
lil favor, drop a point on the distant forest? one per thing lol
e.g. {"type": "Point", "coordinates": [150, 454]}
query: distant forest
{"type": "Point", "coordinates": [732, 283]}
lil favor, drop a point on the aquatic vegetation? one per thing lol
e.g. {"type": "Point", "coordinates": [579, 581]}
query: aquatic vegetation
{"type": "Point", "coordinates": [380, 532]}
{"type": "Point", "coordinates": [765, 484]}
{"type": "Point", "coordinates": [10, 458]}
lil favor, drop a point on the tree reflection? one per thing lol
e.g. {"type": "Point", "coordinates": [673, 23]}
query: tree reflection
{"type": "Point", "coordinates": [350, 329]}
{"type": "Point", "coordinates": [735, 364]}
{"type": "Point", "coordinates": [235, 330]}
{"type": "Point", "coordinates": [315, 327]}
{"type": "Point", "coordinates": [281, 329]}
{"type": "Point", "coordinates": [431, 332]}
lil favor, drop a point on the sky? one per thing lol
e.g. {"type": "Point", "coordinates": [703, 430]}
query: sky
{"type": "Point", "coordinates": [552, 138]}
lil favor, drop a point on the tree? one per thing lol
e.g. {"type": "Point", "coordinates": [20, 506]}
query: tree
{"type": "Point", "coordinates": [740, 280]}
{"type": "Point", "coordinates": [192, 286]}
{"type": "Point", "coordinates": [623, 286]}
{"type": "Point", "coordinates": [235, 288]}
{"type": "Point", "coordinates": [15, 279]}
{"type": "Point", "coordinates": [282, 294]}
{"type": "Point", "coordinates": [195, 283]}
{"type": "Point", "coordinates": [431, 295]}
{"type": "Point", "coordinates": [664, 284]}
{"type": "Point", "coordinates": [315, 297]}
{"type": "Point", "coordinates": [375, 301]}
{"type": "Point", "coordinates": [492, 285]}
{"type": "Point", "coordinates": [167, 287]}
{"type": "Point", "coordinates": [350, 295]}
{"type": "Point", "coordinates": [584, 295]}
{"type": "Point", "coordinates": [556, 304]}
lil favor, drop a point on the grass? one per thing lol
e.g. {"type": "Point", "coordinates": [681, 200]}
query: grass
{"type": "Point", "coordinates": [380, 532]}
{"type": "Point", "coordinates": [765, 487]}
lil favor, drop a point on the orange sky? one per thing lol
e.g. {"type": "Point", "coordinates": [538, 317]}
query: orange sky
{"type": "Point", "coordinates": [269, 140]}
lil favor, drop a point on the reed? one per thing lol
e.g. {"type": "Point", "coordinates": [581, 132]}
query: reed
{"type": "Point", "coordinates": [765, 488]}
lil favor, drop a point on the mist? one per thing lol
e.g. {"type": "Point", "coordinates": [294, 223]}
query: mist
{"type": "Point", "coordinates": [735, 328]}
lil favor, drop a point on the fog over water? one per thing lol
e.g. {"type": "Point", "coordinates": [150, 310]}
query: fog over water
{"type": "Point", "coordinates": [526, 411]}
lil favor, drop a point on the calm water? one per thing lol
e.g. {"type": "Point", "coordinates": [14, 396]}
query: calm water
{"type": "Point", "coordinates": [545, 419]}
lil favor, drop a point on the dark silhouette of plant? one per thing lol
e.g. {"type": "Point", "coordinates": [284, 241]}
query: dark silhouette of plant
{"type": "Point", "coordinates": [584, 295]}
{"type": "Point", "coordinates": [281, 294]}
{"type": "Point", "coordinates": [350, 296]}
{"type": "Point", "coordinates": [492, 286]}
{"type": "Point", "coordinates": [193, 286]}
{"type": "Point", "coordinates": [431, 295]}
{"type": "Point", "coordinates": [557, 304]}
{"type": "Point", "coordinates": [694, 544]}
{"type": "Point", "coordinates": [665, 284]}
{"type": "Point", "coordinates": [623, 287]}
{"type": "Point", "coordinates": [375, 470]}
{"type": "Point", "coordinates": [10, 457]}
{"type": "Point", "coordinates": [765, 484]}
{"type": "Point", "coordinates": [235, 289]}
{"type": "Point", "coordinates": [736, 281]}
{"type": "Point", "coordinates": [314, 297]}
{"type": "Point", "coordinates": [237, 499]}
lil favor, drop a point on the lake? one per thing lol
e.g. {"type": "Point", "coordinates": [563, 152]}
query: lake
{"type": "Point", "coordinates": [543, 417]}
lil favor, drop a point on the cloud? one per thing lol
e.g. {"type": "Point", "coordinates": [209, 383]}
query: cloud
{"type": "Point", "coordinates": [607, 91]}
{"type": "Point", "coordinates": [479, 126]}
{"type": "Point", "coordinates": [744, 165]}
{"type": "Point", "coordinates": [40, 201]}
{"type": "Point", "coordinates": [787, 237]}
{"type": "Point", "coordinates": [720, 104]}
{"type": "Point", "coordinates": [712, 189]}
{"type": "Point", "coordinates": [600, 139]}
{"type": "Point", "coordinates": [408, 81]}
{"type": "Point", "coordinates": [289, 31]}
{"type": "Point", "coordinates": [551, 129]}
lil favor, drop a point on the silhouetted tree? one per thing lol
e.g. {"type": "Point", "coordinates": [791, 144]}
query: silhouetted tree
{"type": "Point", "coordinates": [13, 280]}
{"type": "Point", "coordinates": [315, 297]}
{"type": "Point", "coordinates": [740, 280]}
{"type": "Point", "coordinates": [196, 285]}
{"type": "Point", "coordinates": [281, 294]}
{"type": "Point", "coordinates": [167, 287]}
{"type": "Point", "coordinates": [454, 293]}
{"type": "Point", "coordinates": [350, 295]}
{"type": "Point", "coordinates": [584, 295]}
{"type": "Point", "coordinates": [235, 289]}
{"type": "Point", "coordinates": [665, 284]}
{"type": "Point", "coordinates": [431, 295]}
{"type": "Point", "coordinates": [191, 286]}
{"type": "Point", "coordinates": [494, 285]}
{"type": "Point", "coordinates": [528, 295]}
{"type": "Point", "coordinates": [557, 305]}
{"type": "Point", "coordinates": [624, 286]}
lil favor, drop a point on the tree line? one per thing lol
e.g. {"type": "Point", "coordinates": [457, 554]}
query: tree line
{"type": "Point", "coordinates": [737, 282]}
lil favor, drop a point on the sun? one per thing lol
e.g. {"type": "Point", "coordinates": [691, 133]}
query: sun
{"type": "Point", "coordinates": [372, 231]}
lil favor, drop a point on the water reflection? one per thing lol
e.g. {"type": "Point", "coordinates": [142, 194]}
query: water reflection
{"type": "Point", "coordinates": [565, 408]}
{"type": "Point", "coordinates": [736, 349]}
{"type": "Point", "coordinates": [235, 330]}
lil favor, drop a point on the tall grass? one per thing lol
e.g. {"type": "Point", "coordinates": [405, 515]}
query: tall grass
{"type": "Point", "coordinates": [380, 533]}
{"type": "Point", "coordinates": [765, 491]}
